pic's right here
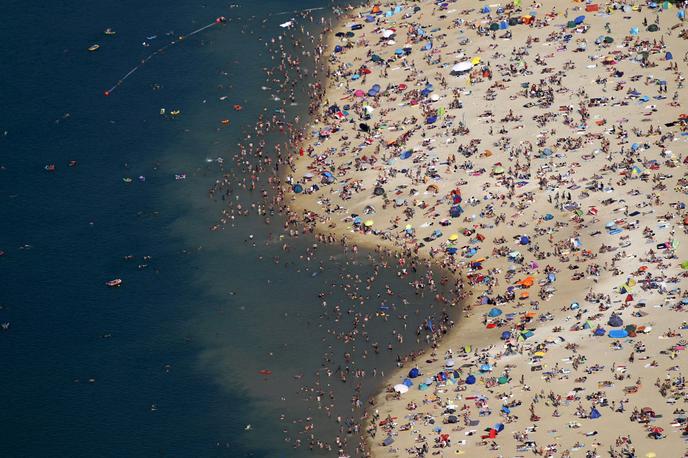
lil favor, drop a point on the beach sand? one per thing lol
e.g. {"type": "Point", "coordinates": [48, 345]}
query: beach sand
{"type": "Point", "coordinates": [562, 156]}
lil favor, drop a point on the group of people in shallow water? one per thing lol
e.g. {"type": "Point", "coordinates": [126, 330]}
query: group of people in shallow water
{"type": "Point", "coordinates": [252, 186]}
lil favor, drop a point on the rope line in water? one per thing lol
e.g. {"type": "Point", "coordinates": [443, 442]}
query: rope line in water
{"type": "Point", "coordinates": [220, 20]}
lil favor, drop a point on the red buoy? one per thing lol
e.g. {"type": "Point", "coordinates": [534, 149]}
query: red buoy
{"type": "Point", "coordinates": [107, 93]}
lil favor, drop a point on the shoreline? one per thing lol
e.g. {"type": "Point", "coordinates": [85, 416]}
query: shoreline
{"type": "Point", "coordinates": [467, 327]}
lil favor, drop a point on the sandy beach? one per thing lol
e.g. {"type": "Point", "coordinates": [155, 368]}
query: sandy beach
{"type": "Point", "coordinates": [537, 151]}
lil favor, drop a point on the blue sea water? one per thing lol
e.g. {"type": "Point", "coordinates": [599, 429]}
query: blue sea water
{"type": "Point", "coordinates": [167, 364]}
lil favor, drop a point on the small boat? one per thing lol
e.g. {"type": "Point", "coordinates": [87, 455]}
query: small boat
{"type": "Point", "coordinates": [72, 163]}
{"type": "Point", "coordinates": [109, 31]}
{"type": "Point", "coordinates": [114, 283]}
{"type": "Point", "coordinates": [127, 180]}
{"type": "Point", "coordinates": [50, 167]}
{"type": "Point", "coordinates": [265, 372]}
{"type": "Point", "coordinates": [175, 112]}
{"type": "Point", "coordinates": [225, 121]}
{"type": "Point", "coordinates": [95, 47]}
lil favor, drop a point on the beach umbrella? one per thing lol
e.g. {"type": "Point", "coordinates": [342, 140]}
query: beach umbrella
{"type": "Point", "coordinates": [470, 380]}
{"type": "Point", "coordinates": [406, 154]}
{"type": "Point", "coordinates": [652, 28]}
{"type": "Point", "coordinates": [498, 170]}
{"type": "Point", "coordinates": [359, 93]}
{"type": "Point", "coordinates": [297, 188]}
{"type": "Point", "coordinates": [485, 368]}
{"type": "Point", "coordinates": [494, 26]}
{"type": "Point", "coordinates": [634, 31]}
{"type": "Point", "coordinates": [668, 56]}
{"type": "Point", "coordinates": [502, 380]}
{"type": "Point", "coordinates": [379, 190]}
{"type": "Point", "coordinates": [455, 211]}
{"type": "Point", "coordinates": [449, 363]}
{"type": "Point", "coordinates": [389, 440]}
{"type": "Point", "coordinates": [368, 223]}
{"type": "Point", "coordinates": [506, 335]}
{"type": "Point", "coordinates": [376, 58]}
{"type": "Point", "coordinates": [401, 388]}
{"type": "Point", "coordinates": [524, 240]}
{"type": "Point", "coordinates": [455, 237]}
{"type": "Point", "coordinates": [579, 20]}
{"type": "Point", "coordinates": [388, 33]}
{"type": "Point", "coordinates": [413, 373]}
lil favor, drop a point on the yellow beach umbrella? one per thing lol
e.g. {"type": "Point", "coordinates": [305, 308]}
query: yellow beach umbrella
{"type": "Point", "coordinates": [651, 455]}
{"type": "Point", "coordinates": [368, 223]}
{"type": "Point", "coordinates": [454, 237]}
{"type": "Point", "coordinates": [475, 60]}
{"type": "Point", "coordinates": [539, 354]}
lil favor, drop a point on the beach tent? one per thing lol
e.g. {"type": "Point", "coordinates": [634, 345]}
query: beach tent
{"type": "Point", "coordinates": [579, 20]}
{"type": "Point", "coordinates": [668, 56]}
{"type": "Point", "coordinates": [470, 380]}
{"type": "Point", "coordinates": [455, 211]}
{"type": "Point", "coordinates": [506, 335]}
{"type": "Point", "coordinates": [494, 312]}
{"type": "Point", "coordinates": [401, 388]}
{"type": "Point", "coordinates": [413, 373]}
{"type": "Point", "coordinates": [599, 332]}
{"type": "Point", "coordinates": [615, 321]}
{"type": "Point", "coordinates": [618, 333]}
{"type": "Point", "coordinates": [408, 382]}
{"type": "Point", "coordinates": [297, 188]}
{"type": "Point", "coordinates": [389, 440]}
{"type": "Point", "coordinates": [527, 334]}
{"type": "Point", "coordinates": [594, 414]}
